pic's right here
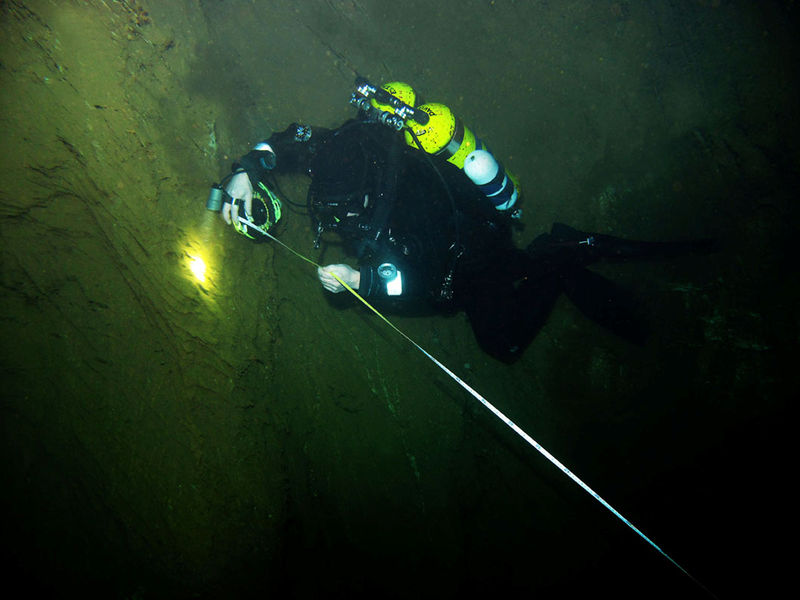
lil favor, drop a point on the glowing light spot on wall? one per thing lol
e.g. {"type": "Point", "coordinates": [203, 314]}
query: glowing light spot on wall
{"type": "Point", "coordinates": [198, 268]}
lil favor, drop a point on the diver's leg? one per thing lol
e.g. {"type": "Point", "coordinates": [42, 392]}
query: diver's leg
{"type": "Point", "coordinates": [506, 318]}
{"type": "Point", "coordinates": [598, 245]}
{"type": "Point", "coordinates": [606, 303]}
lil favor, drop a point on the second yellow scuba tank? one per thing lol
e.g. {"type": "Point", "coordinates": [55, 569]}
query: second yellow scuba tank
{"type": "Point", "coordinates": [433, 128]}
{"type": "Point", "coordinates": [446, 135]}
{"type": "Point", "coordinates": [443, 135]}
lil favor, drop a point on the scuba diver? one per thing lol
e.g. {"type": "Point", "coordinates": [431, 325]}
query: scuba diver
{"type": "Point", "coordinates": [428, 216]}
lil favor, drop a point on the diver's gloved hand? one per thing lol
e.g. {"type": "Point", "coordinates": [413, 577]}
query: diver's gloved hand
{"type": "Point", "coordinates": [238, 188]}
{"type": "Point", "coordinates": [345, 272]}
{"type": "Point", "coordinates": [252, 167]}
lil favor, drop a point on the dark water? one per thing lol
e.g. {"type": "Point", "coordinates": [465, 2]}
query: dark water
{"type": "Point", "coordinates": [246, 435]}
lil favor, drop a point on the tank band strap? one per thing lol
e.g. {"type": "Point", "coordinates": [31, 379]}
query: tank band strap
{"type": "Point", "coordinates": [455, 141]}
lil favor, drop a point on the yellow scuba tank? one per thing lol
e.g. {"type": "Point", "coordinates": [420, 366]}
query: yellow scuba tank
{"type": "Point", "coordinates": [446, 135]}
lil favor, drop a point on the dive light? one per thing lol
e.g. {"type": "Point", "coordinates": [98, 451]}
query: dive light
{"type": "Point", "coordinates": [214, 200]}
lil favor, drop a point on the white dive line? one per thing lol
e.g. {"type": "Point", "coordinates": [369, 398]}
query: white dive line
{"type": "Point", "coordinates": [536, 445]}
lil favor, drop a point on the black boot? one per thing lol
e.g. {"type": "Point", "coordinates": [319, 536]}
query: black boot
{"type": "Point", "coordinates": [612, 247]}
{"type": "Point", "coordinates": [607, 246]}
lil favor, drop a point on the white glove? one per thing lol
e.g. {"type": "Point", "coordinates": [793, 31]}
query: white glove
{"type": "Point", "coordinates": [239, 187]}
{"type": "Point", "coordinates": [346, 273]}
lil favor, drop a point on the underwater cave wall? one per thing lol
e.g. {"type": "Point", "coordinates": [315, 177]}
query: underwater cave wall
{"type": "Point", "coordinates": [107, 336]}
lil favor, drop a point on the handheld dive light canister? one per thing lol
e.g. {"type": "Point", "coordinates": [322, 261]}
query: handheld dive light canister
{"type": "Point", "coordinates": [446, 135]}
{"type": "Point", "coordinates": [214, 200]}
{"type": "Point", "coordinates": [490, 176]}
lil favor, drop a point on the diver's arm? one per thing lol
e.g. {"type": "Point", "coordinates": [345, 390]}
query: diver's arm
{"type": "Point", "coordinates": [288, 151]}
{"type": "Point", "coordinates": [246, 173]}
{"type": "Point", "coordinates": [387, 280]}
{"type": "Point", "coordinates": [370, 281]}
{"type": "Point", "coordinates": [285, 152]}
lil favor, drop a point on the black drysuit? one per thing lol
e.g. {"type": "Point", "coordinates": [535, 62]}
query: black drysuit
{"type": "Point", "coordinates": [393, 204]}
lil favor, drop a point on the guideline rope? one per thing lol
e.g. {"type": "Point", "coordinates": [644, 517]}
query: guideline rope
{"type": "Point", "coordinates": [513, 426]}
